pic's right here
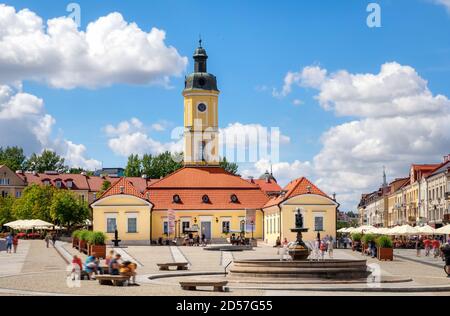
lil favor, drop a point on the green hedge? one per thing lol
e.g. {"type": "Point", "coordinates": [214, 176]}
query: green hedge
{"type": "Point", "coordinates": [84, 235]}
{"type": "Point", "coordinates": [97, 238]}
{"type": "Point", "coordinates": [356, 236]}
{"type": "Point", "coordinates": [368, 238]}
{"type": "Point", "coordinates": [384, 242]}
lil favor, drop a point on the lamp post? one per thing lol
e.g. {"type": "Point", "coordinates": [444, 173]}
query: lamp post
{"type": "Point", "coordinates": [242, 228]}
{"type": "Point", "coordinates": [253, 224]}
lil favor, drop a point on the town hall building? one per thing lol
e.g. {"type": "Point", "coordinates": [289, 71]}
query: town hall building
{"type": "Point", "coordinates": [203, 197]}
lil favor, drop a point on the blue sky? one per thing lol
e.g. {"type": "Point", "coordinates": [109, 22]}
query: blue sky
{"type": "Point", "coordinates": [252, 45]}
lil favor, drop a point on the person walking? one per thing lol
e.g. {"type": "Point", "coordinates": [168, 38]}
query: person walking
{"type": "Point", "coordinates": [15, 243]}
{"type": "Point", "coordinates": [436, 244]}
{"type": "Point", "coordinates": [9, 242]}
{"type": "Point", "coordinates": [330, 247]}
{"type": "Point", "coordinates": [47, 239]}
{"type": "Point", "coordinates": [323, 249]}
{"type": "Point", "coordinates": [54, 239]}
{"type": "Point", "coordinates": [418, 247]}
{"type": "Point", "coordinates": [427, 243]}
{"type": "Point", "coordinates": [316, 249]}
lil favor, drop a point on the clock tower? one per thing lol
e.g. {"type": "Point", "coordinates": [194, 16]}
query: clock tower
{"type": "Point", "coordinates": [201, 128]}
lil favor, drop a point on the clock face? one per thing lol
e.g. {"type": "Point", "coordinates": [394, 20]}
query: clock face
{"type": "Point", "coordinates": [201, 107]}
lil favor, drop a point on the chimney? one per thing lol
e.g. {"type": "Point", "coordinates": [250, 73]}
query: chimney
{"type": "Point", "coordinates": [334, 196]}
{"type": "Point", "coordinates": [122, 189]}
{"type": "Point", "coordinates": [83, 173]}
{"type": "Point", "coordinates": [308, 189]}
{"type": "Point", "coordinates": [144, 176]}
{"type": "Point", "coordinates": [19, 171]}
{"type": "Point", "coordinates": [251, 179]}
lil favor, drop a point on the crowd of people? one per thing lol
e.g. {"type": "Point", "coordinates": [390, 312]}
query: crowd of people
{"type": "Point", "coordinates": [113, 265]}
{"type": "Point", "coordinates": [319, 248]}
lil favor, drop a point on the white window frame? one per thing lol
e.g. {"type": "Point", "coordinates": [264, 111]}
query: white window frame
{"type": "Point", "coordinates": [134, 215]}
{"type": "Point", "coordinates": [110, 216]}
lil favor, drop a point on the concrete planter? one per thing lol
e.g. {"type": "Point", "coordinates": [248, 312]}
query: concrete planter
{"type": "Point", "coordinates": [385, 254]}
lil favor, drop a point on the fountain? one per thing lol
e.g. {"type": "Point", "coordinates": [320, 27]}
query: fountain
{"type": "Point", "coordinates": [299, 269]}
{"type": "Point", "coordinates": [299, 250]}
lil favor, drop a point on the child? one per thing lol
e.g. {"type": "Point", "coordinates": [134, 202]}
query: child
{"type": "Point", "coordinates": [77, 266]}
{"type": "Point", "coordinates": [128, 268]}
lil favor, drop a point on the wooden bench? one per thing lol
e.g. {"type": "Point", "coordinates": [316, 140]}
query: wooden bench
{"type": "Point", "coordinates": [218, 286]}
{"type": "Point", "coordinates": [115, 280]}
{"type": "Point", "coordinates": [179, 265]}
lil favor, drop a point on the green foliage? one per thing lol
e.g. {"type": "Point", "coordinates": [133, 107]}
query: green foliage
{"type": "Point", "coordinates": [105, 185]}
{"type": "Point", "coordinates": [97, 238]}
{"type": "Point", "coordinates": [161, 165]}
{"type": "Point", "coordinates": [47, 161]}
{"type": "Point", "coordinates": [84, 235]}
{"type": "Point", "coordinates": [384, 242]}
{"type": "Point", "coordinates": [76, 234]}
{"type": "Point", "coordinates": [368, 238]}
{"type": "Point", "coordinates": [67, 209]}
{"type": "Point", "coordinates": [133, 168]}
{"type": "Point", "coordinates": [231, 167]}
{"type": "Point", "coordinates": [35, 203]}
{"type": "Point", "coordinates": [6, 210]}
{"type": "Point", "coordinates": [13, 157]}
{"type": "Point", "coordinates": [356, 236]}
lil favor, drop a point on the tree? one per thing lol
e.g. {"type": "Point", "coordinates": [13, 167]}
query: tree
{"type": "Point", "coordinates": [66, 209]}
{"type": "Point", "coordinates": [47, 161]}
{"type": "Point", "coordinates": [105, 186]}
{"type": "Point", "coordinates": [155, 167]}
{"type": "Point", "coordinates": [34, 203]}
{"type": "Point", "coordinates": [6, 209]}
{"type": "Point", "coordinates": [13, 157]}
{"type": "Point", "coordinates": [229, 166]}
{"type": "Point", "coordinates": [133, 168]}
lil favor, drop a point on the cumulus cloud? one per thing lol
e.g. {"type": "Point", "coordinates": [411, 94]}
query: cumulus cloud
{"type": "Point", "coordinates": [110, 51]}
{"type": "Point", "coordinates": [445, 3]}
{"type": "Point", "coordinates": [309, 77]}
{"type": "Point", "coordinates": [25, 123]}
{"type": "Point", "coordinates": [131, 137]}
{"type": "Point", "coordinates": [398, 122]}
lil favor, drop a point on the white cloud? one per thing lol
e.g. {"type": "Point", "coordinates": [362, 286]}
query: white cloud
{"type": "Point", "coordinates": [297, 102]}
{"type": "Point", "coordinates": [110, 51]}
{"type": "Point", "coordinates": [131, 137]}
{"type": "Point", "coordinates": [399, 122]}
{"type": "Point", "coordinates": [24, 123]}
{"type": "Point", "coordinates": [310, 77]}
{"type": "Point", "coordinates": [445, 3]}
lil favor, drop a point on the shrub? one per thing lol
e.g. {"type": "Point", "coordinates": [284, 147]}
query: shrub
{"type": "Point", "coordinates": [356, 237]}
{"type": "Point", "coordinates": [384, 242]}
{"type": "Point", "coordinates": [97, 238]}
{"type": "Point", "coordinates": [76, 234]}
{"type": "Point", "coordinates": [84, 235]}
{"type": "Point", "coordinates": [368, 238]}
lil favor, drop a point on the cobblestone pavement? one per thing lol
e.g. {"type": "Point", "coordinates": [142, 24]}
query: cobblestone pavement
{"type": "Point", "coordinates": [37, 270]}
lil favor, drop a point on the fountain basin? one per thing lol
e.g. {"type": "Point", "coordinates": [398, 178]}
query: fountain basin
{"type": "Point", "coordinates": [301, 269]}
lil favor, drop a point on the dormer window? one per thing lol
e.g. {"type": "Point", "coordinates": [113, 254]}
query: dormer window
{"type": "Point", "coordinates": [234, 198]}
{"type": "Point", "coordinates": [46, 182]}
{"type": "Point", "coordinates": [69, 184]}
{"type": "Point", "coordinates": [205, 199]}
{"type": "Point", "coordinates": [176, 199]}
{"type": "Point", "coordinates": [58, 184]}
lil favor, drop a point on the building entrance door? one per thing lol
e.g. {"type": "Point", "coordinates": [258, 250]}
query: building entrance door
{"type": "Point", "coordinates": [206, 229]}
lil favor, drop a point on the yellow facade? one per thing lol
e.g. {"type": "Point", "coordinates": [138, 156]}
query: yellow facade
{"type": "Point", "coordinates": [201, 127]}
{"type": "Point", "coordinates": [215, 218]}
{"type": "Point", "coordinates": [280, 219]}
{"type": "Point", "coordinates": [122, 209]}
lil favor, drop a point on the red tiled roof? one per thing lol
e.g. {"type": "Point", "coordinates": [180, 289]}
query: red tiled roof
{"type": "Point", "coordinates": [294, 188]}
{"type": "Point", "coordinates": [123, 186]}
{"type": "Point", "coordinates": [191, 183]}
{"type": "Point", "coordinates": [267, 187]}
{"type": "Point", "coordinates": [79, 181]}
{"type": "Point", "coordinates": [202, 177]}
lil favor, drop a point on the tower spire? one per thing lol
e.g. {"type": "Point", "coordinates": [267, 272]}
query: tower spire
{"type": "Point", "coordinates": [384, 177]}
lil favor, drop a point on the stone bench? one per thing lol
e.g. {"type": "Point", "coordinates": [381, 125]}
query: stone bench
{"type": "Point", "coordinates": [115, 280]}
{"type": "Point", "coordinates": [179, 265]}
{"type": "Point", "coordinates": [218, 286]}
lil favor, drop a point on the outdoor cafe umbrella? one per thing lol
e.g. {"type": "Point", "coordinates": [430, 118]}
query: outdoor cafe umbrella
{"type": "Point", "coordinates": [426, 230]}
{"type": "Point", "coordinates": [404, 230]}
{"type": "Point", "coordinates": [362, 229]}
{"type": "Point", "coordinates": [28, 224]}
{"type": "Point", "coordinates": [444, 230]}
{"type": "Point", "coordinates": [342, 230]}
{"type": "Point", "coordinates": [14, 224]}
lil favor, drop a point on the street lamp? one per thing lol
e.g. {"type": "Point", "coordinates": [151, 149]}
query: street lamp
{"type": "Point", "coordinates": [253, 224]}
